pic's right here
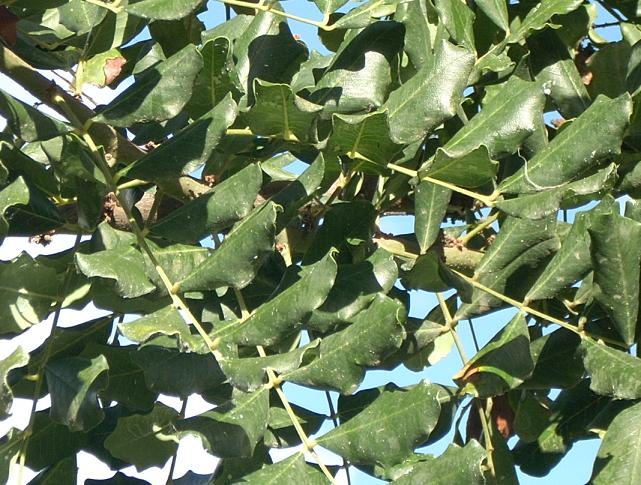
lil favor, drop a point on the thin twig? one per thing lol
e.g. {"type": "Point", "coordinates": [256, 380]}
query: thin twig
{"type": "Point", "coordinates": [323, 25]}
{"type": "Point", "coordinates": [174, 457]}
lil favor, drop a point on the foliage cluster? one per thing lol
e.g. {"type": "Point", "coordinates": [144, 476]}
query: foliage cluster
{"type": "Point", "coordinates": [485, 120]}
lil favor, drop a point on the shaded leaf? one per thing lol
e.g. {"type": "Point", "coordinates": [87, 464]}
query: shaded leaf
{"type": "Point", "coordinates": [18, 358]}
{"type": "Point", "coordinates": [557, 362]}
{"type": "Point", "coordinates": [74, 384]}
{"type": "Point", "coordinates": [145, 440]}
{"type": "Point", "coordinates": [472, 169]}
{"type": "Point", "coordinates": [541, 16]}
{"type": "Point", "coordinates": [16, 193]}
{"type": "Point", "coordinates": [431, 202]}
{"type": "Point", "coordinates": [503, 364]}
{"type": "Point", "coordinates": [27, 122]}
{"type": "Point", "coordinates": [458, 19]}
{"type": "Point", "coordinates": [162, 9]}
{"type": "Point", "coordinates": [166, 321]}
{"type": "Point", "coordinates": [495, 10]}
{"type": "Point", "coordinates": [291, 471]}
{"type": "Point", "coordinates": [619, 455]}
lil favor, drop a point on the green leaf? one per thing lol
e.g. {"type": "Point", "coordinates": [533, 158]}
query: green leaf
{"type": "Point", "coordinates": [557, 362]}
{"type": "Point", "coordinates": [145, 440]}
{"type": "Point", "coordinates": [616, 255]}
{"type": "Point", "coordinates": [157, 95]}
{"type": "Point", "coordinates": [570, 152]}
{"type": "Point", "coordinates": [329, 6]}
{"type": "Point", "coordinates": [126, 380]}
{"type": "Point", "coordinates": [361, 73]}
{"type": "Point", "coordinates": [190, 148]}
{"type": "Point", "coordinates": [266, 50]}
{"type": "Point", "coordinates": [74, 384]}
{"type": "Point", "coordinates": [365, 138]}
{"type": "Point", "coordinates": [553, 65]}
{"type": "Point", "coordinates": [279, 112]}
{"type": "Point", "coordinates": [28, 123]}
{"type": "Point", "coordinates": [396, 422]}
{"type": "Point", "coordinates": [124, 265]}
{"type": "Point", "coordinates": [362, 16]}
{"type": "Point", "coordinates": [18, 358]}
{"type": "Point", "coordinates": [373, 334]}
{"type": "Point", "coordinates": [166, 321]}
{"type": "Point", "coordinates": [472, 169]}
{"type": "Point", "coordinates": [237, 260]}
{"type": "Point", "coordinates": [16, 193]}
{"type": "Point", "coordinates": [431, 96]}
{"type": "Point", "coordinates": [291, 471]}
{"type": "Point", "coordinates": [215, 80]}
{"type": "Point", "coordinates": [540, 17]}
{"type": "Point", "coordinates": [250, 373]}
{"type": "Point", "coordinates": [613, 372]}
{"type": "Point", "coordinates": [619, 456]}
{"type": "Point", "coordinates": [456, 465]}
{"type": "Point", "coordinates": [27, 290]}
{"type": "Point", "coordinates": [175, 373]}
{"type": "Point", "coordinates": [547, 202]}
{"type": "Point", "coordinates": [79, 16]}
{"type": "Point", "coordinates": [458, 19]}
{"type": "Point", "coordinates": [504, 123]}
{"type": "Point", "coordinates": [284, 313]}
{"type": "Point", "coordinates": [281, 432]}
{"type": "Point", "coordinates": [431, 202]}
{"type": "Point", "coordinates": [64, 471]}
{"type": "Point", "coordinates": [232, 429]}
{"type": "Point", "coordinates": [162, 9]}
{"type": "Point", "coordinates": [420, 20]}
{"type": "Point", "coordinates": [355, 286]}
{"type": "Point", "coordinates": [503, 364]}
{"type": "Point", "coordinates": [9, 447]}
{"type": "Point", "coordinates": [495, 10]}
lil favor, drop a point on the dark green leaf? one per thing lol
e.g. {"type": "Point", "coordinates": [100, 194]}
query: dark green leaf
{"type": "Point", "coordinates": [16, 193]}
{"type": "Point", "coordinates": [74, 384]}
{"type": "Point", "coordinates": [456, 465]}
{"type": "Point", "coordinates": [620, 454]}
{"type": "Point", "coordinates": [458, 19]}
{"type": "Point", "coordinates": [158, 95]}
{"type": "Point", "coordinates": [496, 10]}
{"type": "Point", "coordinates": [472, 169]}
{"type": "Point", "coordinates": [283, 315]}
{"type": "Point", "coordinates": [166, 321]}
{"type": "Point", "coordinates": [431, 202]}
{"type": "Point", "coordinates": [540, 17]}
{"type": "Point", "coordinates": [616, 255]}
{"type": "Point", "coordinates": [374, 333]}
{"type": "Point", "coordinates": [503, 364]}
{"type": "Point", "coordinates": [145, 440]}
{"type": "Point", "coordinates": [232, 429]}
{"type": "Point", "coordinates": [613, 372]}
{"type": "Point", "coordinates": [237, 260]}
{"type": "Point", "coordinates": [27, 123]}
{"type": "Point", "coordinates": [570, 152]}
{"type": "Point", "coordinates": [557, 362]}
{"type": "Point", "coordinates": [396, 422]}
{"type": "Point", "coordinates": [431, 96]}
{"type": "Point", "coordinates": [291, 471]}
{"type": "Point", "coordinates": [162, 9]}
{"type": "Point", "coordinates": [188, 149]}
{"type": "Point", "coordinates": [28, 287]}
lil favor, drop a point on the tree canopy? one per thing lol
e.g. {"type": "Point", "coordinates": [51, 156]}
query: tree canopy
{"type": "Point", "coordinates": [227, 209]}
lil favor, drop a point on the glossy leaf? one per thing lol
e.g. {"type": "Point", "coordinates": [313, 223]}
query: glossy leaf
{"type": "Point", "coordinates": [159, 94]}
{"type": "Point", "coordinates": [290, 471]}
{"type": "Point", "coordinates": [74, 384]}
{"type": "Point", "coordinates": [373, 334]}
{"type": "Point", "coordinates": [237, 260]}
{"type": "Point", "coordinates": [456, 465]}
{"type": "Point", "coordinates": [431, 95]}
{"type": "Point", "coordinates": [283, 315]}
{"type": "Point", "coordinates": [458, 19]}
{"type": "Point", "coordinates": [616, 255]}
{"type": "Point", "coordinates": [613, 372]}
{"type": "Point", "coordinates": [398, 420]}
{"type": "Point", "coordinates": [188, 149]}
{"type": "Point", "coordinates": [569, 153]}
